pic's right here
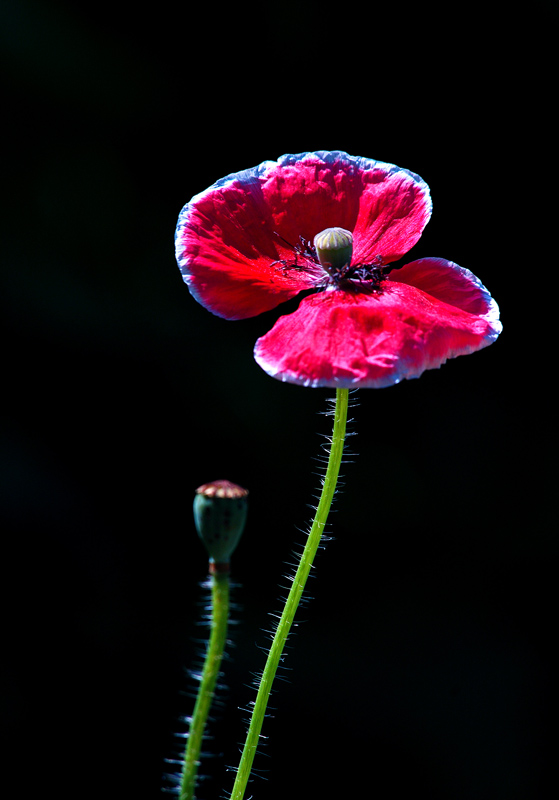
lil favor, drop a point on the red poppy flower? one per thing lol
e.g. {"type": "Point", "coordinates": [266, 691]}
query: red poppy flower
{"type": "Point", "coordinates": [334, 223]}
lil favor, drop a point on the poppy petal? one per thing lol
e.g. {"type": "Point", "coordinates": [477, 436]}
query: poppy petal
{"type": "Point", "coordinates": [450, 283]}
{"type": "Point", "coordinates": [370, 338]}
{"type": "Point", "coordinates": [228, 253]}
{"type": "Point", "coordinates": [231, 239]}
{"type": "Point", "coordinates": [384, 206]}
{"type": "Point", "coordinates": [394, 208]}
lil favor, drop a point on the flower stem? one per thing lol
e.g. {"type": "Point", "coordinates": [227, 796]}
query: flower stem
{"type": "Point", "coordinates": [210, 673]}
{"type": "Point", "coordinates": [294, 597]}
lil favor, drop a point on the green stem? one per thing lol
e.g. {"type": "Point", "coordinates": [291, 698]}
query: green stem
{"type": "Point", "coordinates": [210, 673]}
{"type": "Point", "coordinates": [294, 597]}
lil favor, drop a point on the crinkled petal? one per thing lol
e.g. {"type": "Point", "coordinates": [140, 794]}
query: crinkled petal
{"type": "Point", "coordinates": [371, 338]}
{"type": "Point", "coordinates": [452, 284]}
{"type": "Point", "coordinates": [229, 236]}
{"type": "Point", "coordinates": [385, 207]}
{"type": "Point", "coordinates": [226, 247]}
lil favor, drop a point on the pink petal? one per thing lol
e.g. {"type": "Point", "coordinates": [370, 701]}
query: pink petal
{"type": "Point", "coordinates": [370, 339]}
{"type": "Point", "coordinates": [394, 208]}
{"type": "Point", "coordinates": [446, 281]}
{"type": "Point", "coordinates": [226, 239]}
{"type": "Point", "coordinates": [226, 246]}
{"type": "Point", "coordinates": [385, 207]}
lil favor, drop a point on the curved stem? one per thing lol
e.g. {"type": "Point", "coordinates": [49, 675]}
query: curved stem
{"type": "Point", "coordinates": [294, 597]}
{"type": "Point", "coordinates": [210, 673]}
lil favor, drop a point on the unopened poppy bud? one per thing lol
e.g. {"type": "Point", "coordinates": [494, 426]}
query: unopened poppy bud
{"type": "Point", "coordinates": [220, 511]}
{"type": "Point", "coordinates": [334, 248]}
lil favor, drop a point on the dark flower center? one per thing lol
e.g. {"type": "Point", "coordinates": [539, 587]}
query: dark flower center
{"type": "Point", "coordinates": [332, 249]}
{"type": "Point", "coordinates": [372, 274]}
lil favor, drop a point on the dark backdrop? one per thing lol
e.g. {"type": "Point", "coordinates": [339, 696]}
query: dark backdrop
{"type": "Point", "coordinates": [423, 667]}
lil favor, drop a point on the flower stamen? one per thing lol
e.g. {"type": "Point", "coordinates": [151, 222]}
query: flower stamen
{"type": "Point", "coordinates": [304, 250]}
{"type": "Point", "coordinates": [371, 274]}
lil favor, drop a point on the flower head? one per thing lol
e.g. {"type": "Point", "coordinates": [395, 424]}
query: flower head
{"type": "Point", "coordinates": [220, 512]}
{"type": "Point", "coordinates": [333, 223]}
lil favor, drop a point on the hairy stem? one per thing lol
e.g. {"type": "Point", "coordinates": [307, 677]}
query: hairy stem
{"type": "Point", "coordinates": [294, 597]}
{"type": "Point", "coordinates": [210, 674]}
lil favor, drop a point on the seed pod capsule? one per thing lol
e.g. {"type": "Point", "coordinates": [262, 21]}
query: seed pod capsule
{"type": "Point", "coordinates": [334, 248]}
{"type": "Point", "coordinates": [220, 511]}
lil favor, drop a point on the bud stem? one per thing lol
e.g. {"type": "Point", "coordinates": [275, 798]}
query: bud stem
{"type": "Point", "coordinates": [214, 654]}
{"type": "Point", "coordinates": [294, 597]}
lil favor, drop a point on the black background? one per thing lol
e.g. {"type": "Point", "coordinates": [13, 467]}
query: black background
{"type": "Point", "coordinates": [423, 666]}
